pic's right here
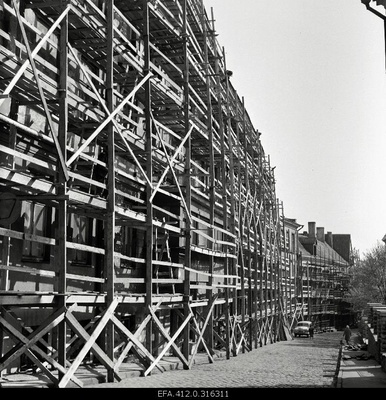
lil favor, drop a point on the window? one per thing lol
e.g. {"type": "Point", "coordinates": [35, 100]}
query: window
{"type": "Point", "coordinates": [293, 243]}
{"type": "Point", "coordinates": [78, 229]}
{"type": "Point", "coordinates": [35, 222]}
{"type": "Point", "coordinates": [287, 236]}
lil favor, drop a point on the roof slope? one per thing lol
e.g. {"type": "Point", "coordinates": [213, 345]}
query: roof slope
{"type": "Point", "coordinates": [311, 247]}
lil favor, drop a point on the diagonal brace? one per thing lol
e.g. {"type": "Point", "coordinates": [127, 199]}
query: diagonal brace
{"type": "Point", "coordinates": [137, 333]}
{"type": "Point", "coordinates": [107, 111]}
{"type": "Point", "coordinates": [170, 341]}
{"type": "Point", "coordinates": [171, 161]}
{"type": "Point", "coordinates": [170, 164]}
{"type": "Point", "coordinates": [41, 93]}
{"type": "Point", "coordinates": [203, 328]}
{"type": "Point", "coordinates": [107, 120]}
{"type": "Point", "coordinates": [133, 338]}
{"type": "Point", "coordinates": [90, 342]}
{"type": "Point", "coordinates": [34, 53]}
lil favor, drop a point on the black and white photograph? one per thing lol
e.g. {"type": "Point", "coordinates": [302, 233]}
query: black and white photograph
{"type": "Point", "coordinates": [192, 196]}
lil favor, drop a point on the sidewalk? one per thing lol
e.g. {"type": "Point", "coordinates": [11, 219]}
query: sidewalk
{"type": "Point", "coordinates": [358, 369]}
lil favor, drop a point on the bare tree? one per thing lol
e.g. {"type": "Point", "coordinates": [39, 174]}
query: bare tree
{"type": "Point", "coordinates": [368, 278]}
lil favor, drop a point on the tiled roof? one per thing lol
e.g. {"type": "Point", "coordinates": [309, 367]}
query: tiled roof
{"type": "Point", "coordinates": [323, 250]}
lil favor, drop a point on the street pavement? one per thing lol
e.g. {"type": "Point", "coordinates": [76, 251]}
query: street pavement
{"type": "Point", "coordinates": [298, 363]}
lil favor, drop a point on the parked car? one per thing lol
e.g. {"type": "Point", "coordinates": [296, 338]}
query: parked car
{"type": "Point", "coordinates": [302, 328]}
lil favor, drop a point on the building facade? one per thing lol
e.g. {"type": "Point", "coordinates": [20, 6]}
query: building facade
{"type": "Point", "coordinates": [325, 262]}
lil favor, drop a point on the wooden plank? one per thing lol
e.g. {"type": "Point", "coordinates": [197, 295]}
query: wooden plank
{"type": "Point", "coordinates": [13, 328]}
{"type": "Point", "coordinates": [214, 240]}
{"type": "Point", "coordinates": [170, 165]}
{"type": "Point", "coordinates": [170, 342]}
{"type": "Point", "coordinates": [207, 321]}
{"type": "Point", "coordinates": [90, 345]}
{"type": "Point", "coordinates": [26, 236]}
{"type": "Point", "coordinates": [33, 338]}
{"type": "Point", "coordinates": [130, 344]}
{"type": "Point", "coordinates": [209, 225]}
{"type": "Point", "coordinates": [137, 333]}
{"type": "Point", "coordinates": [39, 364]}
{"type": "Point", "coordinates": [108, 112]}
{"type": "Point", "coordinates": [89, 342]}
{"type": "Point", "coordinates": [27, 181]}
{"type": "Point", "coordinates": [167, 281]}
{"type": "Point", "coordinates": [75, 342]}
{"type": "Point", "coordinates": [133, 338]}
{"type": "Point", "coordinates": [85, 247]}
{"type": "Point", "coordinates": [107, 120]}
{"type": "Point", "coordinates": [39, 45]}
{"type": "Point", "coordinates": [42, 97]}
{"type": "Point", "coordinates": [109, 228]}
{"type": "Point", "coordinates": [171, 161]}
{"type": "Point", "coordinates": [197, 331]}
{"type": "Point", "coordinates": [47, 165]}
{"type": "Point", "coordinates": [214, 275]}
{"type": "Point", "coordinates": [209, 252]}
{"type": "Point", "coordinates": [50, 274]}
{"type": "Point", "coordinates": [28, 270]}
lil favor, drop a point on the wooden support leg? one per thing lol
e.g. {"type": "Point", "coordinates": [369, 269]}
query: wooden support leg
{"type": "Point", "coordinates": [133, 338]}
{"type": "Point", "coordinates": [28, 343]}
{"type": "Point", "coordinates": [90, 343]}
{"type": "Point", "coordinates": [170, 341]}
{"type": "Point", "coordinates": [207, 320]}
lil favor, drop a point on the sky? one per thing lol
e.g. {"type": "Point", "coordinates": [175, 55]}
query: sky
{"type": "Point", "coordinates": [312, 74]}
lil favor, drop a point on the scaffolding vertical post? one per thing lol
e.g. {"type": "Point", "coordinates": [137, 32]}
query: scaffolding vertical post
{"type": "Point", "coordinates": [282, 264]}
{"type": "Point", "coordinates": [260, 226]}
{"type": "Point", "coordinates": [265, 265]}
{"type": "Point", "coordinates": [110, 214]}
{"type": "Point", "coordinates": [272, 268]}
{"type": "Point", "coordinates": [232, 221]}
{"type": "Point", "coordinates": [188, 188]}
{"type": "Point", "coordinates": [239, 307]}
{"type": "Point", "coordinates": [6, 252]}
{"type": "Point", "coordinates": [212, 186]}
{"type": "Point", "coordinates": [6, 245]}
{"type": "Point", "coordinates": [255, 241]}
{"type": "Point", "coordinates": [149, 173]}
{"type": "Point", "coordinates": [61, 251]}
{"type": "Point", "coordinates": [248, 254]}
{"type": "Point", "coordinates": [278, 291]}
{"type": "Point", "coordinates": [224, 179]}
{"type": "Point", "coordinates": [245, 298]}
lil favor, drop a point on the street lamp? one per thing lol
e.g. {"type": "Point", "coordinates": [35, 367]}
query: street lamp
{"type": "Point", "coordinates": [377, 13]}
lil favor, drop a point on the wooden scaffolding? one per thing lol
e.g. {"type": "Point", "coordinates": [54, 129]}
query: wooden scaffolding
{"type": "Point", "coordinates": [138, 209]}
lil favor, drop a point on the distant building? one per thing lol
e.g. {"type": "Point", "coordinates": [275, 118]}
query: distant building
{"type": "Point", "coordinates": [291, 276]}
{"type": "Point", "coordinates": [325, 264]}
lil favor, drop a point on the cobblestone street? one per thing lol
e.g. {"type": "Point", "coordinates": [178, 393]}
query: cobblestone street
{"type": "Point", "coordinates": [297, 363]}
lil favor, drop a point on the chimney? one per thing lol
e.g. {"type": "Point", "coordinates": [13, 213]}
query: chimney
{"type": "Point", "coordinates": [329, 239]}
{"type": "Point", "coordinates": [311, 229]}
{"type": "Point", "coordinates": [320, 234]}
